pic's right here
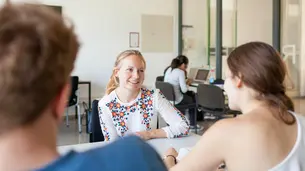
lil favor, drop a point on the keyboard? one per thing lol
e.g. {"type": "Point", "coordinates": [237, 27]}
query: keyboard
{"type": "Point", "coordinates": [194, 84]}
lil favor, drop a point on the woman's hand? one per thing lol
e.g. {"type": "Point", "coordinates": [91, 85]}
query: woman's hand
{"type": "Point", "coordinates": [156, 133]}
{"type": "Point", "coordinates": [170, 158]}
{"type": "Point", "coordinates": [189, 81]}
{"type": "Point", "coordinates": [171, 151]}
{"type": "Point", "coordinates": [145, 135]}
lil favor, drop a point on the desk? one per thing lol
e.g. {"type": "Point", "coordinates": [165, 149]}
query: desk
{"type": "Point", "coordinates": [195, 85]}
{"type": "Point", "coordinates": [160, 145]}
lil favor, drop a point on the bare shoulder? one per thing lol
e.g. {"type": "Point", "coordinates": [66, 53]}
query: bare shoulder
{"type": "Point", "coordinates": [234, 129]}
{"type": "Point", "coordinates": [229, 125]}
{"type": "Point", "coordinates": [222, 130]}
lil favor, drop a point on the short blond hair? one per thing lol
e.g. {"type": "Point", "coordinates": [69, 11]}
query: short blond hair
{"type": "Point", "coordinates": [114, 82]}
{"type": "Point", "coordinates": [37, 54]}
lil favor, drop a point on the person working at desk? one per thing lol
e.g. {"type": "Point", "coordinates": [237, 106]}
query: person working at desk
{"type": "Point", "coordinates": [129, 108]}
{"type": "Point", "coordinates": [175, 75]}
{"type": "Point", "coordinates": [268, 136]}
{"type": "Point", "coordinates": [37, 54]}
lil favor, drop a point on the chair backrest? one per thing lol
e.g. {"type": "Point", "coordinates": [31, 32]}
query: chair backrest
{"type": "Point", "coordinates": [96, 131]}
{"type": "Point", "coordinates": [167, 90]}
{"type": "Point", "coordinates": [74, 87]}
{"type": "Point", "coordinates": [160, 78]}
{"type": "Point", "coordinates": [210, 96]}
{"type": "Point", "coordinates": [219, 81]}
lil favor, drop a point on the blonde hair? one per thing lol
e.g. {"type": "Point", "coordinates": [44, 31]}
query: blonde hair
{"type": "Point", "coordinates": [114, 82]}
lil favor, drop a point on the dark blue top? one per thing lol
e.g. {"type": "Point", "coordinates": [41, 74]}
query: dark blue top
{"type": "Point", "coordinates": [130, 153]}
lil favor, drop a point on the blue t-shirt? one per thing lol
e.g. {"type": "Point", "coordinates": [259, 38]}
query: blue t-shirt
{"type": "Point", "coordinates": [130, 153]}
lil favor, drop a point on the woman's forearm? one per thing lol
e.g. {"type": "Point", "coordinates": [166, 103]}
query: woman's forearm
{"type": "Point", "coordinates": [157, 133]}
{"type": "Point", "coordinates": [169, 162]}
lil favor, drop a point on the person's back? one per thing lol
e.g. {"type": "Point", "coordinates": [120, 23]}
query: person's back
{"type": "Point", "coordinates": [260, 142]}
{"type": "Point", "coordinates": [176, 78]}
{"type": "Point", "coordinates": [37, 55]}
{"type": "Point", "coordinates": [132, 153]}
{"type": "Point", "coordinates": [295, 160]}
{"type": "Point", "coordinates": [175, 74]}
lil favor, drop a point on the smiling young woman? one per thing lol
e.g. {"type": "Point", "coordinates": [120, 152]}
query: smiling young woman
{"type": "Point", "coordinates": [129, 108]}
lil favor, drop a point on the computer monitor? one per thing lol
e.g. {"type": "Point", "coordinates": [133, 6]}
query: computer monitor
{"type": "Point", "coordinates": [202, 75]}
{"type": "Point", "coordinates": [192, 73]}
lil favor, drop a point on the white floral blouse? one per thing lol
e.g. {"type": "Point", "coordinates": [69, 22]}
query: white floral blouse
{"type": "Point", "coordinates": [118, 119]}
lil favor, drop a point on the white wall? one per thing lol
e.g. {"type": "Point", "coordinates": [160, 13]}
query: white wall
{"type": "Point", "coordinates": [254, 21]}
{"type": "Point", "coordinates": [103, 27]}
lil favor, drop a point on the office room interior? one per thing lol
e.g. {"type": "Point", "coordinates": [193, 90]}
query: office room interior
{"type": "Point", "coordinates": [162, 29]}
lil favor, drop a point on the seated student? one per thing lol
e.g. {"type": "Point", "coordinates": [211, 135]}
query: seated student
{"type": "Point", "coordinates": [268, 136]}
{"type": "Point", "coordinates": [188, 80]}
{"type": "Point", "coordinates": [37, 54]}
{"type": "Point", "coordinates": [175, 75]}
{"type": "Point", "coordinates": [129, 108]}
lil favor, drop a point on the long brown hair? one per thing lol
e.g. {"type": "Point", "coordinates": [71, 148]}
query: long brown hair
{"type": "Point", "coordinates": [114, 82]}
{"type": "Point", "coordinates": [261, 68]}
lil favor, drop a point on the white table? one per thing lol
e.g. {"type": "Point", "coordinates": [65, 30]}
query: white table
{"type": "Point", "coordinates": [160, 145]}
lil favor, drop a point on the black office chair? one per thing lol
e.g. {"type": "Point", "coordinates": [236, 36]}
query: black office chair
{"type": "Point", "coordinates": [96, 134]}
{"type": "Point", "coordinates": [74, 101]}
{"type": "Point", "coordinates": [160, 78]}
{"type": "Point", "coordinates": [211, 100]}
{"type": "Point", "coordinates": [168, 91]}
